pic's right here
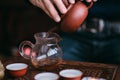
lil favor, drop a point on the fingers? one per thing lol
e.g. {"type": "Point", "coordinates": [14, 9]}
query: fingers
{"type": "Point", "coordinates": [71, 1]}
{"type": "Point", "coordinates": [95, 0]}
{"type": "Point", "coordinates": [40, 4]}
{"type": "Point", "coordinates": [48, 8]}
{"type": "Point", "coordinates": [33, 2]}
{"type": "Point", "coordinates": [61, 6]}
{"type": "Point", "coordinates": [66, 2]}
{"type": "Point", "coordinates": [51, 9]}
{"type": "Point", "coordinates": [91, 0]}
{"type": "Point", "coordinates": [88, 0]}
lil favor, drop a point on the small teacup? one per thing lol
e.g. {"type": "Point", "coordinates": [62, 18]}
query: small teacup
{"type": "Point", "coordinates": [17, 69]}
{"type": "Point", "coordinates": [71, 74]}
{"type": "Point", "coordinates": [46, 76]}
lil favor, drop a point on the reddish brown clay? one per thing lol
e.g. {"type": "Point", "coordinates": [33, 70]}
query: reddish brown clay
{"type": "Point", "coordinates": [75, 16]}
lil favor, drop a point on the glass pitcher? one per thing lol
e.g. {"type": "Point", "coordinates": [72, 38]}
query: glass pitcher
{"type": "Point", "coordinates": [45, 52]}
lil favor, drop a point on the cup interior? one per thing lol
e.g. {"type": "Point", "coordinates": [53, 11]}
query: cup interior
{"type": "Point", "coordinates": [70, 73]}
{"type": "Point", "coordinates": [16, 66]}
{"type": "Point", "coordinates": [46, 76]}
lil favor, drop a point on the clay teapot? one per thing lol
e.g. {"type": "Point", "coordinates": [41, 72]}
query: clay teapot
{"type": "Point", "coordinates": [75, 16]}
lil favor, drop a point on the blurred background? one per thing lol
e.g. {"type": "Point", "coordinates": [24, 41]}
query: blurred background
{"type": "Point", "coordinates": [19, 20]}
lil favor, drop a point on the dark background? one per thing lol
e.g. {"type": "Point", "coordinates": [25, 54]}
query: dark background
{"type": "Point", "coordinates": [19, 20]}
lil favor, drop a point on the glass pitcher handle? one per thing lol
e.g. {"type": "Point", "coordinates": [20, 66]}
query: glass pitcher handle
{"type": "Point", "coordinates": [25, 49]}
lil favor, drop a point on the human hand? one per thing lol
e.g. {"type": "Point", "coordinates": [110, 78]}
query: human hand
{"type": "Point", "coordinates": [51, 7]}
{"type": "Point", "coordinates": [48, 6]}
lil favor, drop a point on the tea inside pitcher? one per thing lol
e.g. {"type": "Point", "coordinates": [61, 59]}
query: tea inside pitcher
{"type": "Point", "coordinates": [46, 63]}
{"type": "Point", "coordinates": [52, 57]}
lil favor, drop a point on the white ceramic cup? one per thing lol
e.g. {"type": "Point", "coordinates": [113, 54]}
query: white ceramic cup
{"type": "Point", "coordinates": [71, 74]}
{"type": "Point", "coordinates": [46, 76]}
{"type": "Point", "coordinates": [17, 69]}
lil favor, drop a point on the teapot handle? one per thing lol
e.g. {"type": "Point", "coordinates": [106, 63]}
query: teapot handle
{"type": "Point", "coordinates": [90, 5]}
{"type": "Point", "coordinates": [25, 49]}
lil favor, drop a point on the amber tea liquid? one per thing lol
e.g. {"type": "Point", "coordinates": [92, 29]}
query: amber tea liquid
{"type": "Point", "coordinates": [46, 63]}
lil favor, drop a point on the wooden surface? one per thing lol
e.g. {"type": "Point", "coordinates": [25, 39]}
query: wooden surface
{"type": "Point", "coordinates": [107, 71]}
